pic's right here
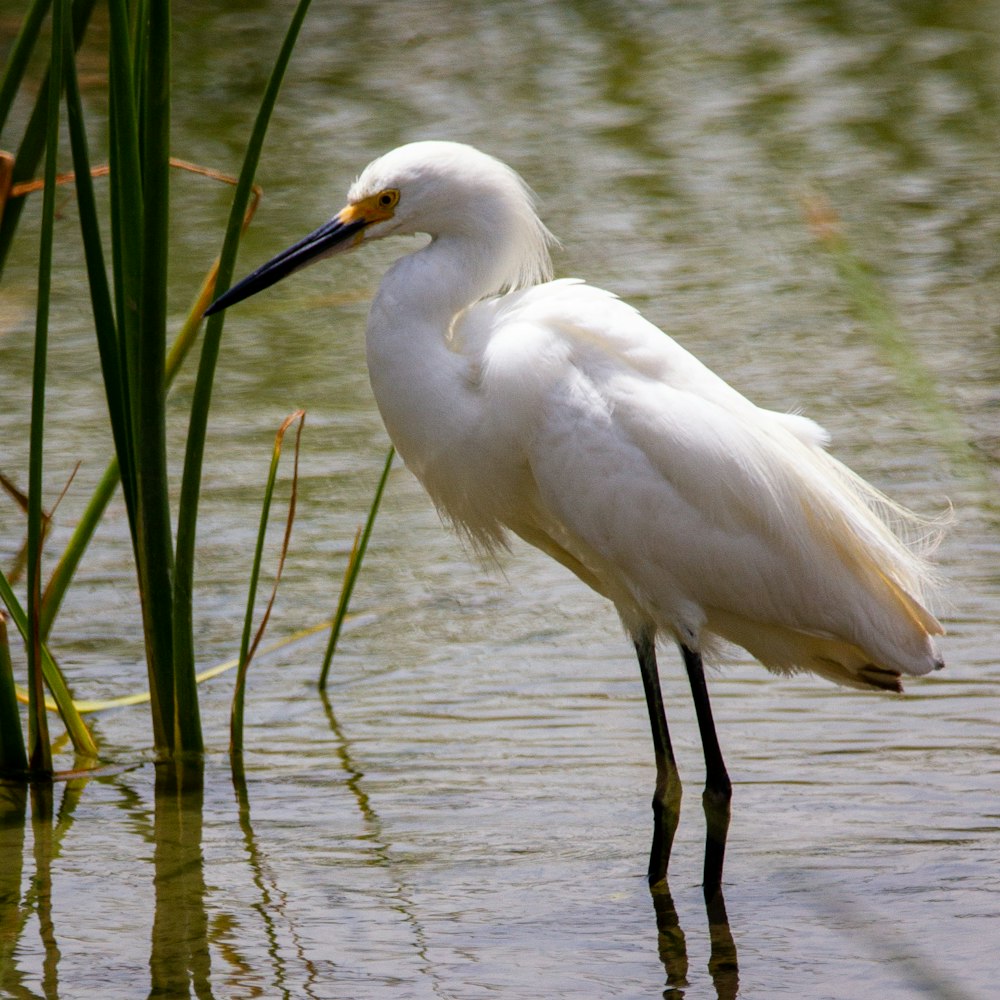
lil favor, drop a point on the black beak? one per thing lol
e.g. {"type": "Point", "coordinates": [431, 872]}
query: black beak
{"type": "Point", "coordinates": [317, 244]}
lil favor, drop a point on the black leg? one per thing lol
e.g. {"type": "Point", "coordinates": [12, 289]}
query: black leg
{"type": "Point", "coordinates": [667, 796]}
{"type": "Point", "coordinates": [718, 788]}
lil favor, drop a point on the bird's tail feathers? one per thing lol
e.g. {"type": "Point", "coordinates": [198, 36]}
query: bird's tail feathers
{"type": "Point", "coordinates": [791, 651]}
{"type": "Point", "coordinates": [880, 540]}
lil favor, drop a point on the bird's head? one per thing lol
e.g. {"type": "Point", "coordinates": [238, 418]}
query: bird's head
{"type": "Point", "coordinates": [439, 188]}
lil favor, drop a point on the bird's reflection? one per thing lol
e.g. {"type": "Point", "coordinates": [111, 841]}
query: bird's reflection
{"type": "Point", "coordinates": [671, 942]}
{"type": "Point", "coordinates": [723, 966]}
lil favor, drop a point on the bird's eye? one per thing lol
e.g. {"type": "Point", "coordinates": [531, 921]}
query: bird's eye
{"type": "Point", "coordinates": [388, 198]}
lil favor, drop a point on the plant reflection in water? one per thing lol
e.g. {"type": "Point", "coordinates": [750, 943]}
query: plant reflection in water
{"type": "Point", "coordinates": [189, 926]}
{"type": "Point", "coordinates": [179, 960]}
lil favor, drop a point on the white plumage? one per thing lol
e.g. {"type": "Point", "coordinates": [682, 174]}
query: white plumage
{"type": "Point", "coordinates": [553, 410]}
{"type": "Point", "coordinates": [559, 413]}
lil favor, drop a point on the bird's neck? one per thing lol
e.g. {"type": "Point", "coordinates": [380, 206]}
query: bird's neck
{"type": "Point", "coordinates": [419, 298]}
{"type": "Point", "coordinates": [447, 275]}
{"type": "Point", "coordinates": [419, 375]}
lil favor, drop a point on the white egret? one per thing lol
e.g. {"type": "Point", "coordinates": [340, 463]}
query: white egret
{"type": "Point", "coordinates": [554, 411]}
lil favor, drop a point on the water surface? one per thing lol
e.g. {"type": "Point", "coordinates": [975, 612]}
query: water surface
{"type": "Point", "coordinates": [468, 813]}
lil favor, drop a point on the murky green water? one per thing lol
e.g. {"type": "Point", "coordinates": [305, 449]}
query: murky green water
{"type": "Point", "coordinates": [468, 815]}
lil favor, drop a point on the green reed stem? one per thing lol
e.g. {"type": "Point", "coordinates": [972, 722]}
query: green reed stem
{"type": "Point", "coordinates": [353, 569]}
{"type": "Point", "coordinates": [32, 146]}
{"type": "Point", "coordinates": [20, 54]}
{"type": "Point", "coordinates": [187, 516]}
{"type": "Point", "coordinates": [149, 409]}
{"type": "Point", "coordinates": [62, 575]}
{"type": "Point", "coordinates": [13, 759]}
{"type": "Point", "coordinates": [39, 748]}
{"type": "Point", "coordinates": [137, 182]}
{"type": "Point", "coordinates": [83, 742]}
{"type": "Point", "coordinates": [247, 649]}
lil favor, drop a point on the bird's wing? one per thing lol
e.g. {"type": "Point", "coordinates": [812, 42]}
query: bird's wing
{"type": "Point", "coordinates": [651, 469]}
{"type": "Point", "coordinates": [570, 313]}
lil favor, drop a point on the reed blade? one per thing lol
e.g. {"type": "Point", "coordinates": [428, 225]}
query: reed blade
{"type": "Point", "coordinates": [353, 569]}
{"type": "Point", "coordinates": [187, 515]}
{"type": "Point", "coordinates": [247, 649]}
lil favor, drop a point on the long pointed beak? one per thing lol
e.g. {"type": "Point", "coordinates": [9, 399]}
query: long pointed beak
{"type": "Point", "coordinates": [320, 243]}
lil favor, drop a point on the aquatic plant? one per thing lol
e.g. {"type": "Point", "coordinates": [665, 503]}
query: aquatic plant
{"type": "Point", "coordinates": [128, 300]}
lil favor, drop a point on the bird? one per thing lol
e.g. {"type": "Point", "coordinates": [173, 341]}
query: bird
{"type": "Point", "coordinates": [551, 410]}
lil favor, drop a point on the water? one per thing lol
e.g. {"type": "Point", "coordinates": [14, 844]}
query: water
{"type": "Point", "coordinates": [468, 814]}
